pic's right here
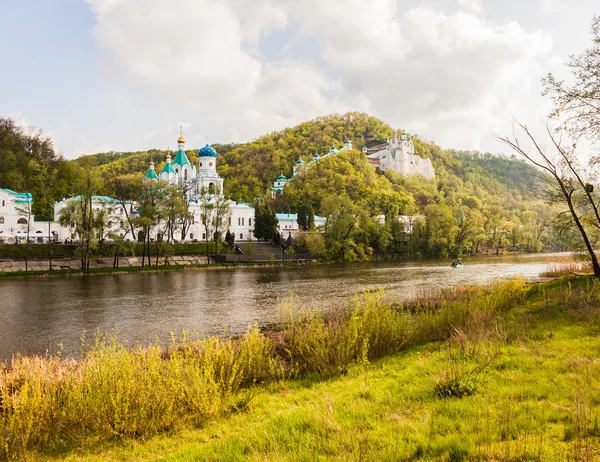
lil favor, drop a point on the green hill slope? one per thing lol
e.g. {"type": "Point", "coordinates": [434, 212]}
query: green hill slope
{"type": "Point", "coordinates": [476, 202]}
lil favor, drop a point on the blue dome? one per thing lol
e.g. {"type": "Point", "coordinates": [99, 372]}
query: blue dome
{"type": "Point", "coordinates": [207, 151]}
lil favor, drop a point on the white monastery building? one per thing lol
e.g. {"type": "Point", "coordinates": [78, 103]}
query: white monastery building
{"type": "Point", "coordinates": [399, 155]}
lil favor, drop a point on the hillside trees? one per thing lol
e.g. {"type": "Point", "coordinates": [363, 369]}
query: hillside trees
{"type": "Point", "coordinates": [27, 160]}
{"type": "Point", "coordinates": [265, 222]}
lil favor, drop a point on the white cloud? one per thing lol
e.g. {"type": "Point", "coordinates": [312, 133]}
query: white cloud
{"type": "Point", "coordinates": [474, 6]}
{"type": "Point", "coordinates": [449, 77]}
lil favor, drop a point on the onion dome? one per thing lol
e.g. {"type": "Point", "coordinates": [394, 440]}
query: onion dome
{"type": "Point", "coordinates": [282, 177]}
{"type": "Point", "coordinates": [168, 168]}
{"type": "Point", "coordinates": [151, 175]}
{"type": "Point", "coordinates": [207, 151]}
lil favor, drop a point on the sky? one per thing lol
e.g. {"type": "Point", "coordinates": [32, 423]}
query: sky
{"type": "Point", "coordinates": [123, 75]}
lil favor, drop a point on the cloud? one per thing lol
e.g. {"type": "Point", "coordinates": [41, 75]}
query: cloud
{"type": "Point", "coordinates": [446, 76]}
{"type": "Point", "coordinates": [474, 6]}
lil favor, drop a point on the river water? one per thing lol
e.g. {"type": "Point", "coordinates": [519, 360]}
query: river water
{"type": "Point", "coordinates": [38, 314]}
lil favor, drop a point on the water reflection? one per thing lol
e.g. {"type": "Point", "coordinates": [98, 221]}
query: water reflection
{"type": "Point", "coordinates": [38, 314]}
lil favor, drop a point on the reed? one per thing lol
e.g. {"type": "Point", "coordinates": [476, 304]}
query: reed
{"type": "Point", "coordinates": [562, 265]}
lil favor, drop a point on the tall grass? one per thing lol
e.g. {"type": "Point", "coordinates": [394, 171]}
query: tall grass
{"type": "Point", "coordinates": [116, 391]}
{"type": "Point", "coordinates": [561, 265]}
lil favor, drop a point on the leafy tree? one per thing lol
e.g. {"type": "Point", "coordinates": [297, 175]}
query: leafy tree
{"type": "Point", "coordinates": [230, 239]}
{"type": "Point", "coordinates": [150, 214]}
{"type": "Point", "coordinates": [265, 222]}
{"type": "Point", "coordinates": [220, 219]}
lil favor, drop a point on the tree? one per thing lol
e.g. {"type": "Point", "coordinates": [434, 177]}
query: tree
{"type": "Point", "coordinates": [79, 214]}
{"type": "Point", "coordinates": [150, 213]}
{"type": "Point", "coordinates": [222, 212]}
{"type": "Point", "coordinates": [567, 183]}
{"type": "Point", "coordinates": [121, 246]}
{"type": "Point", "coordinates": [176, 211]}
{"type": "Point", "coordinates": [230, 239]}
{"type": "Point", "coordinates": [578, 105]}
{"type": "Point", "coordinates": [124, 188]}
{"type": "Point", "coordinates": [265, 222]}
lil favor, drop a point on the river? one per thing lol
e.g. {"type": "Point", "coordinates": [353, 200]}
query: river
{"type": "Point", "coordinates": [38, 314]}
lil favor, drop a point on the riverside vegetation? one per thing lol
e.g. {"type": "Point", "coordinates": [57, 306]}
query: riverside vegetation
{"type": "Point", "coordinates": [477, 202]}
{"type": "Point", "coordinates": [504, 372]}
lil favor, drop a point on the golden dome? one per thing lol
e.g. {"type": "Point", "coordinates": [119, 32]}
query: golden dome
{"type": "Point", "coordinates": [180, 140]}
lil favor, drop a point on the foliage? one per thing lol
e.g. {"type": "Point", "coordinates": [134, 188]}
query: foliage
{"type": "Point", "coordinates": [28, 163]}
{"type": "Point", "coordinates": [265, 222]}
{"type": "Point", "coordinates": [477, 202]}
{"type": "Point", "coordinates": [495, 335]}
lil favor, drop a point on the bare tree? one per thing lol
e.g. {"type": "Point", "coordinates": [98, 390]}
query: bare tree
{"type": "Point", "coordinates": [124, 189]}
{"type": "Point", "coordinates": [578, 106]}
{"type": "Point", "coordinates": [566, 182]}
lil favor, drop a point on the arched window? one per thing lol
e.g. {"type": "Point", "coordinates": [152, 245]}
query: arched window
{"type": "Point", "coordinates": [241, 236]}
{"type": "Point", "coordinates": [192, 236]}
{"type": "Point", "coordinates": [38, 232]}
{"type": "Point", "coordinates": [211, 188]}
{"type": "Point", "coordinates": [2, 203]}
{"type": "Point", "coordinates": [22, 221]}
{"type": "Point", "coordinates": [1, 220]}
{"type": "Point", "coordinates": [185, 174]}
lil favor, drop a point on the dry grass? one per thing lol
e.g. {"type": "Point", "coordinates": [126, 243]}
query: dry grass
{"type": "Point", "coordinates": [562, 265]}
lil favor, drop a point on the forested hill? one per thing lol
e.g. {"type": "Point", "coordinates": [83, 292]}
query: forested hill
{"type": "Point", "coordinates": [250, 168]}
{"type": "Point", "coordinates": [475, 200]}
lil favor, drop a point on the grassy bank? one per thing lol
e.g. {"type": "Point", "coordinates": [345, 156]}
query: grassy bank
{"type": "Point", "coordinates": [137, 269]}
{"type": "Point", "coordinates": [18, 251]}
{"type": "Point", "coordinates": [507, 372]}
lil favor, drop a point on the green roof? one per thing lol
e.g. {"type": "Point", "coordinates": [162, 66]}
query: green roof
{"type": "Point", "coordinates": [282, 178]}
{"type": "Point", "coordinates": [168, 168]}
{"type": "Point", "coordinates": [181, 158]}
{"type": "Point", "coordinates": [152, 174]}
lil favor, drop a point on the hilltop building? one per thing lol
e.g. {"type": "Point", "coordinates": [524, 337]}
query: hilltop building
{"type": "Point", "coordinates": [399, 155]}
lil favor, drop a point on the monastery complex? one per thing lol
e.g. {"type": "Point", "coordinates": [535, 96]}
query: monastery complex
{"type": "Point", "coordinates": [201, 183]}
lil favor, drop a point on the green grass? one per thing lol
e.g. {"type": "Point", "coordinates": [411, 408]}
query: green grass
{"type": "Point", "coordinates": [527, 359]}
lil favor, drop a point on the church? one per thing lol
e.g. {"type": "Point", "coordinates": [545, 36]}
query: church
{"type": "Point", "coordinates": [203, 183]}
